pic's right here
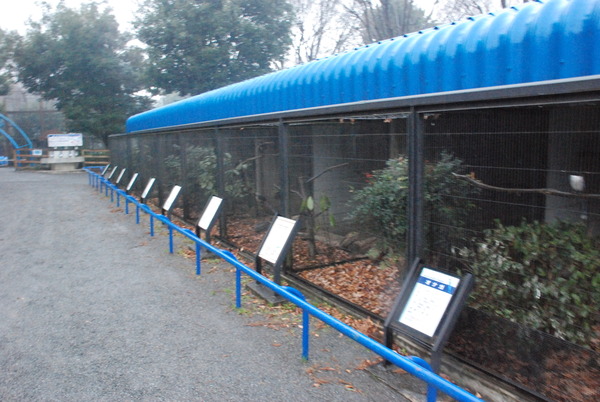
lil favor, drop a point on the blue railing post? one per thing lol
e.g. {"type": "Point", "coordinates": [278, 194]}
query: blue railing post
{"type": "Point", "coordinates": [238, 288]}
{"type": "Point", "coordinates": [305, 322]}
{"type": "Point", "coordinates": [170, 239]}
{"type": "Point", "coordinates": [151, 224]}
{"type": "Point", "coordinates": [198, 259]}
{"type": "Point", "coordinates": [431, 391]}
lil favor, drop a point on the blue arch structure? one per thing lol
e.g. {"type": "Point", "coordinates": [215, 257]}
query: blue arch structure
{"type": "Point", "coordinates": [538, 41]}
{"type": "Point", "coordinates": [15, 144]}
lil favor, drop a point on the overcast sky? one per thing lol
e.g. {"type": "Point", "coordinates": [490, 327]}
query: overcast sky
{"type": "Point", "coordinates": [15, 13]}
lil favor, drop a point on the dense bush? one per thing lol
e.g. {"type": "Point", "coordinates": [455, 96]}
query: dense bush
{"type": "Point", "coordinates": [382, 204]}
{"type": "Point", "coordinates": [545, 276]}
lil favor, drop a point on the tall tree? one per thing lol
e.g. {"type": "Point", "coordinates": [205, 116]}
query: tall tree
{"type": "Point", "coordinates": [7, 41]}
{"type": "Point", "coordinates": [383, 19]}
{"type": "Point", "coordinates": [198, 45]}
{"type": "Point", "coordinates": [80, 59]}
{"type": "Point", "coordinates": [319, 29]}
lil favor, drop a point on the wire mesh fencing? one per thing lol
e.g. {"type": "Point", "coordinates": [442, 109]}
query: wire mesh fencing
{"type": "Point", "coordinates": [508, 193]}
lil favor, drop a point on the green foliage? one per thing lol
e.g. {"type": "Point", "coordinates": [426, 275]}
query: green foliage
{"type": "Point", "coordinates": [7, 43]}
{"type": "Point", "coordinates": [196, 46]}
{"type": "Point", "coordinates": [80, 59]}
{"type": "Point", "coordinates": [382, 204]}
{"type": "Point", "coordinates": [201, 174]}
{"type": "Point", "coordinates": [545, 276]}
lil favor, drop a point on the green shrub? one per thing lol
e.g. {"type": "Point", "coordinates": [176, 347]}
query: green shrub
{"type": "Point", "coordinates": [545, 276]}
{"type": "Point", "coordinates": [382, 204]}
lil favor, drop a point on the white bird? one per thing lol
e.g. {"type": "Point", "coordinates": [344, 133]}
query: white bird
{"type": "Point", "coordinates": [577, 182]}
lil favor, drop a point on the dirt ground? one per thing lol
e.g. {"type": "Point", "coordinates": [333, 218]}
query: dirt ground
{"type": "Point", "coordinates": [93, 308]}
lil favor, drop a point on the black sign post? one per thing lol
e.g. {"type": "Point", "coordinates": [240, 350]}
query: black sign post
{"type": "Point", "coordinates": [427, 308]}
{"type": "Point", "coordinates": [273, 249]}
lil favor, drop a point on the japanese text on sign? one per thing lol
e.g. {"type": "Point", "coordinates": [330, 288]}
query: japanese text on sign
{"type": "Point", "coordinates": [428, 301]}
{"type": "Point", "coordinates": [276, 239]}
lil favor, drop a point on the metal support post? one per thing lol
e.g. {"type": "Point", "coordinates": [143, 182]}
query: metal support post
{"type": "Point", "coordinates": [416, 162]}
{"type": "Point", "coordinates": [284, 167]}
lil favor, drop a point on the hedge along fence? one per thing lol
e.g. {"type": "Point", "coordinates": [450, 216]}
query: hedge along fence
{"type": "Point", "coordinates": [457, 173]}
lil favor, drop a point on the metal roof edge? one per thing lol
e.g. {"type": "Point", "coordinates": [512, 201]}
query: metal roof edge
{"type": "Point", "coordinates": [576, 85]}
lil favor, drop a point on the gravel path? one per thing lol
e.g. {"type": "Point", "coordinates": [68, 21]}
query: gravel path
{"type": "Point", "coordinates": [94, 309]}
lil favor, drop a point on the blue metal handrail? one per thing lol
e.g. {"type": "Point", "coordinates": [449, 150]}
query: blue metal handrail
{"type": "Point", "coordinates": [412, 365]}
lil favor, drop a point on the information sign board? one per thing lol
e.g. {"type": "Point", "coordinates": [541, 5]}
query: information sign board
{"type": "Point", "coordinates": [428, 301]}
{"type": "Point", "coordinates": [131, 181]}
{"type": "Point", "coordinates": [120, 176]}
{"type": "Point", "coordinates": [171, 199]}
{"type": "Point", "coordinates": [65, 140]}
{"type": "Point", "coordinates": [105, 170]}
{"type": "Point", "coordinates": [210, 212]}
{"type": "Point", "coordinates": [148, 188]}
{"type": "Point", "coordinates": [112, 172]}
{"type": "Point", "coordinates": [276, 239]}
{"type": "Point", "coordinates": [428, 306]}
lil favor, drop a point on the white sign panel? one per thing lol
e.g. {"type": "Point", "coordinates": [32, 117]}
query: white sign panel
{"type": "Point", "coordinates": [132, 181]}
{"type": "Point", "coordinates": [65, 140]}
{"type": "Point", "coordinates": [148, 188]}
{"type": "Point", "coordinates": [428, 301]}
{"type": "Point", "coordinates": [276, 239]}
{"type": "Point", "coordinates": [210, 212]}
{"type": "Point", "coordinates": [120, 176]}
{"type": "Point", "coordinates": [112, 173]}
{"type": "Point", "coordinates": [171, 199]}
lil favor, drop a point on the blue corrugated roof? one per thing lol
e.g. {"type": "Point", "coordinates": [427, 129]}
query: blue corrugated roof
{"type": "Point", "coordinates": [535, 42]}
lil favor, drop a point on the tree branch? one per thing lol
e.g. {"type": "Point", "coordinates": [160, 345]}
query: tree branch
{"type": "Point", "coordinates": [325, 171]}
{"type": "Point", "coordinates": [545, 191]}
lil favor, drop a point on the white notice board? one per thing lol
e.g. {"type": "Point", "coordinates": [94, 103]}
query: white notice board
{"type": "Point", "coordinates": [276, 239]}
{"type": "Point", "coordinates": [65, 140]}
{"type": "Point", "coordinates": [209, 213]}
{"type": "Point", "coordinates": [171, 199]}
{"type": "Point", "coordinates": [120, 175]}
{"type": "Point", "coordinates": [132, 181]}
{"type": "Point", "coordinates": [428, 301]}
{"type": "Point", "coordinates": [112, 173]}
{"type": "Point", "coordinates": [148, 188]}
